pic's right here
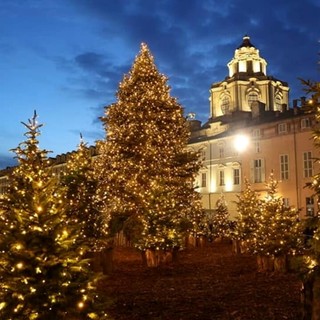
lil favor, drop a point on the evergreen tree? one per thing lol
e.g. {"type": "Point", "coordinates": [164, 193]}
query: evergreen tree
{"type": "Point", "coordinates": [279, 230]}
{"type": "Point", "coordinates": [145, 169]}
{"type": "Point", "coordinates": [42, 272]}
{"type": "Point", "coordinates": [249, 212]}
{"type": "Point", "coordinates": [313, 106]}
{"type": "Point", "coordinates": [220, 219]}
{"type": "Point", "coordinates": [83, 207]}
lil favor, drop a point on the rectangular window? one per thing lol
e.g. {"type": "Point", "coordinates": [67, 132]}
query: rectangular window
{"type": "Point", "coordinates": [257, 148]}
{"type": "Point", "coordinates": [305, 123]}
{"type": "Point", "coordinates": [257, 170]}
{"type": "Point", "coordinates": [282, 128]}
{"type": "Point", "coordinates": [221, 152]}
{"type": "Point", "coordinates": [236, 176]}
{"type": "Point", "coordinates": [307, 164]}
{"type": "Point", "coordinates": [256, 133]}
{"type": "Point", "coordinates": [309, 206]}
{"type": "Point", "coordinates": [286, 202]}
{"type": "Point", "coordinates": [203, 180]}
{"type": "Point", "coordinates": [221, 178]}
{"type": "Point", "coordinates": [284, 167]}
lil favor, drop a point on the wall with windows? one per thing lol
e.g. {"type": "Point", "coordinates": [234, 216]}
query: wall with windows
{"type": "Point", "coordinates": [280, 144]}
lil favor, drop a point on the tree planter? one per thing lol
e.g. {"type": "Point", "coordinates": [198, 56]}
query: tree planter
{"type": "Point", "coordinates": [190, 241]}
{"type": "Point", "coordinates": [243, 246]}
{"type": "Point", "coordinates": [281, 264]}
{"type": "Point", "coordinates": [155, 258]}
{"type": "Point", "coordinates": [201, 241]}
{"type": "Point", "coordinates": [239, 246]}
{"type": "Point", "coordinates": [236, 246]}
{"type": "Point", "coordinates": [265, 263]}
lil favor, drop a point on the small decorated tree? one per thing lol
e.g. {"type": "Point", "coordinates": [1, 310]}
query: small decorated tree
{"type": "Point", "coordinates": [83, 208]}
{"type": "Point", "coordinates": [42, 271]}
{"type": "Point", "coordinates": [145, 171]}
{"type": "Point", "coordinates": [220, 220]}
{"type": "Point", "coordinates": [249, 212]}
{"type": "Point", "coordinates": [279, 232]}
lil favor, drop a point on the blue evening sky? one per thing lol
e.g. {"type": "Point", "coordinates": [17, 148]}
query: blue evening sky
{"type": "Point", "coordinates": [65, 58]}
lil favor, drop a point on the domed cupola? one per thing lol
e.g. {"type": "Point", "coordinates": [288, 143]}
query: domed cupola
{"type": "Point", "coordinates": [247, 85]}
{"type": "Point", "coordinates": [247, 61]}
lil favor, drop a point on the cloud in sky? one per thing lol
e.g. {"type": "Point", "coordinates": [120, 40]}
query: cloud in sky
{"type": "Point", "coordinates": [66, 58]}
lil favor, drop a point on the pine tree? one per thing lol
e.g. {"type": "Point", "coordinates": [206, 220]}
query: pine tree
{"type": "Point", "coordinates": [220, 220]}
{"type": "Point", "coordinates": [310, 270]}
{"type": "Point", "coordinates": [42, 274]}
{"type": "Point", "coordinates": [145, 169]}
{"type": "Point", "coordinates": [249, 211]}
{"type": "Point", "coordinates": [313, 106]}
{"type": "Point", "coordinates": [279, 229]}
{"type": "Point", "coordinates": [83, 207]}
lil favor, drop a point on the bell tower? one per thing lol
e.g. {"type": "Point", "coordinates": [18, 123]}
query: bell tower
{"type": "Point", "coordinates": [247, 84]}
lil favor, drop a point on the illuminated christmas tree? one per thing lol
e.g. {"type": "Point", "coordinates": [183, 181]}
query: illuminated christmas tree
{"type": "Point", "coordinates": [83, 207]}
{"type": "Point", "coordinates": [145, 169]}
{"type": "Point", "coordinates": [220, 220]}
{"type": "Point", "coordinates": [311, 265]}
{"type": "Point", "coordinates": [42, 271]}
{"type": "Point", "coordinates": [279, 231]}
{"type": "Point", "coordinates": [249, 211]}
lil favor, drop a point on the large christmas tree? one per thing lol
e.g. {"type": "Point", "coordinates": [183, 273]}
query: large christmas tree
{"type": "Point", "coordinates": [145, 169]}
{"type": "Point", "coordinates": [42, 271]}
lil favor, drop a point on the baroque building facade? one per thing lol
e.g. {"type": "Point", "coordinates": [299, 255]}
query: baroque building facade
{"type": "Point", "coordinates": [253, 133]}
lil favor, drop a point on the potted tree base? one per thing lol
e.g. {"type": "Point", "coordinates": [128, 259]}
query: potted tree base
{"type": "Point", "coordinates": [155, 258]}
{"type": "Point", "coordinates": [265, 263]}
{"type": "Point", "coordinates": [281, 264]}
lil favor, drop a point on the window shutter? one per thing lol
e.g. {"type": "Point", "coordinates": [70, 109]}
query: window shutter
{"type": "Point", "coordinates": [251, 171]}
{"type": "Point", "coordinates": [263, 171]}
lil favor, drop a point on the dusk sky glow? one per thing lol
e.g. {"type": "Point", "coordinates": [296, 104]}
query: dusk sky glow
{"type": "Point", "coordinates": [65, 58]}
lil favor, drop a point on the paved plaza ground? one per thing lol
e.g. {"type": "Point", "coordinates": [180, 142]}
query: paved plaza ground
{"type": "Point", "coordinates": [204, 283]}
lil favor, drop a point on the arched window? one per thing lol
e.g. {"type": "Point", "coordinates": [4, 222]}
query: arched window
{"type": "Point", "coordinates": [278, 103]}
{"type": "Point", "coordinates": [225, 104]}
{"type": "Point", "coordinates": [252, 97]}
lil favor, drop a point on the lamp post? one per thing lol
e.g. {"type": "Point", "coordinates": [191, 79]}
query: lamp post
{"type": "Point", "coordinates": [241, 142]}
